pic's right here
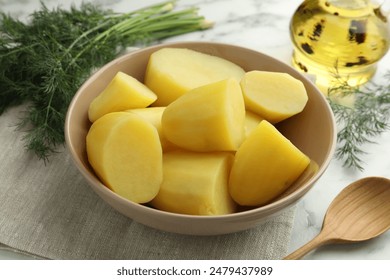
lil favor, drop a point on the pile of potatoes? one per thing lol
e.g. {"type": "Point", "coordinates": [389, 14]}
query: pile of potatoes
{"type": "Point", "coordinates": [198, 136]}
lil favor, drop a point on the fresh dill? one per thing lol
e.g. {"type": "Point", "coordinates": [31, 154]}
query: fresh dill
{"type": "Point", "coordinates": [361, 121]}
{"type": "Point", "coordinates": [44, 61]}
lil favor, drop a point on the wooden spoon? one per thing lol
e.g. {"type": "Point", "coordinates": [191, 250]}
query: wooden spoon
{"type": "Point", "coordinates": [360, 212]}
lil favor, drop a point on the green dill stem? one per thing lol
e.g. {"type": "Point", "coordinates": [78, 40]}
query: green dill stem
{"type": "Point", "coordinates": [142, 21]}
{"type": "Point", "coordinates": [85, 34]}
{"type": "Point", "coordinates": [16, 49]}
{"type": "Point", "coordinates": [177, 21]}
{"type": "Point", "coordinates": [125, 21]}
{"type": "Point", "coordinates": [131, 19]}
{"type": "Point", "coordinates": [162, 7]}
{"type": "Point", "coordinates": [142, 24]}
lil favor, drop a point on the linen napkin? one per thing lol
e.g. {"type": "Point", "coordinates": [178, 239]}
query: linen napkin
{"type": "Point", "coordinates": [50, 211]}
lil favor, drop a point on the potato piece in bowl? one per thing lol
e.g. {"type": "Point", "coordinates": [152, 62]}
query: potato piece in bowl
{"type": "Point", "coordinates": [171, 72]}
{"type": "Point", "coordinates": [195, 183]}
{"type": "Point", "coordinates": [265, 165]}
{"type": "Point", "coordinates": [122, 93]}
{"type": "Point", "coordinates": [274, 96]}
{"type": "Point", "coordinates": [153, 115]}
{"type": "Point", "coordinates": [207, 118]}
{"type": "Point", "coordinates": [252, 120]}
{"type": "Point", "coordinates": [125, 152]}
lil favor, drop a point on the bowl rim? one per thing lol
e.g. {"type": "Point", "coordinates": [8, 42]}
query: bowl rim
{"type": "Point", "coordinates": [276, 205]}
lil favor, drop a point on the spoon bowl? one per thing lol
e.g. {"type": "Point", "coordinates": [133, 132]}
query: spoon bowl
{"type": "Point", "coordinates": [360, 212]}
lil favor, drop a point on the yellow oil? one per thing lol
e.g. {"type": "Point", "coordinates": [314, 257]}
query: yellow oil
{"type": "Point", "coordinates": [343, 39]}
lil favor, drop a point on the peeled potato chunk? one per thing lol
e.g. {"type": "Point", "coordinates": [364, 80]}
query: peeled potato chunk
{"type": "Point", "coordinates": [171, 72]}
{"type": "Point", "coordinates": [153, 115]}
{"type": "Point", "coordinates": [207, 118]}
{"type": "Point", "coordinates": [252, 120]}
{"type": "Point", "coordinates": [122, 93]}
{"type": "Point", "coordinates": [125, 152]}
{"type": "Point", "coordinates": [195, 183]}
{"type": "Point", "coordinates": [265, 165]}
{"type": "Point", "coordinates": [274, 96]}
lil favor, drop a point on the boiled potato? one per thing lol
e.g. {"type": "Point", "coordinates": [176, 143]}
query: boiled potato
{"type": "Point", "coordinates": [153, 115]}
{"type": "Point", "coordinates": [207, 118]}
{"type": "Point", "coordinates": [122, 93]}
{"type": "Point", "coordinates": [206, 145]}
{"type": "Point", "coordinates": [195, 183]}
{"type": "Point", "coordinates": [265, 165]}
{"type": "Point", "coordinates": [125, 152]}
{"type": "Point", "coordinates": [252, 120]}
{"type": "Point", "coordinates": [171, 72]}
{"type": "Point", "coordinates": [274, 96]}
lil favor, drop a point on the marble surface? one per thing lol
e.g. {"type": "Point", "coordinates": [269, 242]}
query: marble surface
{"type": "Point", "coordinates": [263, 25]}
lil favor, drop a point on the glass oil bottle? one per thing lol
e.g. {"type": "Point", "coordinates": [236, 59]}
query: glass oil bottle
{"type": "Point", "coordinates": [338, 39]}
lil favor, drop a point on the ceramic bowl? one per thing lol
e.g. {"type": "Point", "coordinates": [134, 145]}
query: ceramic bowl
{"type": "Point", "coordinates": [312, 131]}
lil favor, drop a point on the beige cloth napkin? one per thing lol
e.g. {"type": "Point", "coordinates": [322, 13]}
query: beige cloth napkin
{"type": "Point", "coordinates": [50, 211]}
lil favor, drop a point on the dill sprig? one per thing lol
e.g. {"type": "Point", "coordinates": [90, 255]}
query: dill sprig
{"type": "Point", "coordinates": [361, 121]}
{"type": "Point", "coordinates": [44, 61]}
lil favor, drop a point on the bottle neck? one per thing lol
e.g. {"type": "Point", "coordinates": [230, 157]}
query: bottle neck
{"type": "Point", "coordinates": [347, 8]}
{"type": "Point", "coordinates": [349, 4]}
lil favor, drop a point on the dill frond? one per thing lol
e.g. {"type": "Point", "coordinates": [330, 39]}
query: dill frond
{"type": "Point", "coordinates": [44, 62]}
{"type": "Point", "coordinates": [361, 122]}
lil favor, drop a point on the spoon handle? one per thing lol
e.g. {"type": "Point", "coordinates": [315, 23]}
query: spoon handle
{"type": "Point", "coordinates": [316, 242]}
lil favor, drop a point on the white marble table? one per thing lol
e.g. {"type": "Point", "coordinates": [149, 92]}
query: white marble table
{"type": "Point", "coordinates": [263, 25]}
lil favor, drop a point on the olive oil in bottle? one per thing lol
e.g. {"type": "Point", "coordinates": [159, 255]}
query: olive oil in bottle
{"type": "Point", "coordinates": [343, 38]}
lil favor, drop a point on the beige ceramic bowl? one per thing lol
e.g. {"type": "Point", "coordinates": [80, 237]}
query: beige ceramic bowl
{"type": "Point", "coordinates": [312, 131]}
